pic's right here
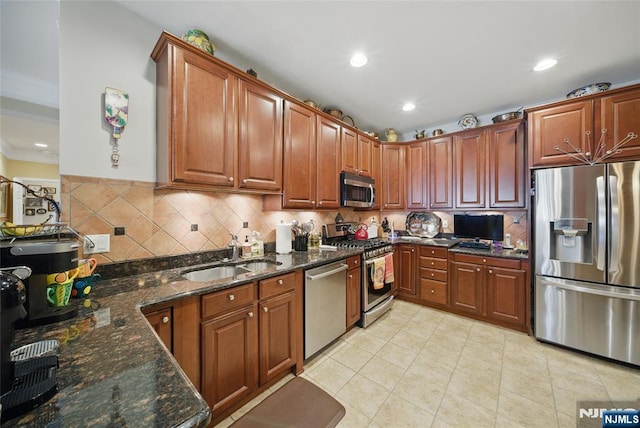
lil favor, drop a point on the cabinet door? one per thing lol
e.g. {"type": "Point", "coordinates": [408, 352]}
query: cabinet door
{"type": "Point", "coordinates": [277, 335]}
{"type": "Point", "coordinates": [349, 151]}
{"type": "Point", "coordinates": [203, 138]}
{"type": "Point", "coordinates": [260, 142]}
{"type": "Point", "coordinates": [470, 170]}
{"type": "Point", "coordinates": [506, 298]}
{"type": "Point", "coordinates": [407, 257]}
{"type": "Point", "coordinates": [299, 181]}
{"type": "Point", "coordinates": [507, 170]}
{"type": "Point", "coordinates": [229, 358]}
{"type": "Point", "coordinates": [466, 287]}
{"type": "Point", "coordinates": [328, 165]}
{"type": "Point", "coordinates": [620, 115]}
{"type": "Point", "coordinates": [365, 162]}
{"type": "Point", "coordinates": [550, 127]}
{"type": "Point", "coordinates": [440, 172]}
{"type": "Point", "coordinates": [162, 322]}
{"type": "Point", "coordinates": [376, 171]}
{"type": "Point", "coordinates": [354, 293]}
{"type": "Point", "coordinates": [417, 175]}
{"type": "Point", "coordinates": [392, 177]}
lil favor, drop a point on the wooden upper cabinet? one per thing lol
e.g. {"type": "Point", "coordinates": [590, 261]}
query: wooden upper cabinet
{"type": "Point", "coordinates": [299, 181]}
{"type": "Point", "coordinates": [507, 169]}
{"type": "Point", "coordinates": [392, 177]}
{"type": "Point", "coordinates": [328, 163]}
{"type": "Point", "coordinates": [619, 114]}
{"type": "Point", "coordinates": [550, 127]}
{"type": "Point", "coordinates": [349, 151]}
{"type": "Point", "coordinates": [365, 160]}
{"type": "Point", "coordinates": [376, 171]}
{"type": "Point", "coordinates": [440, 157]}
{"type": "Point", "coordinates": [417, 175]}
{"type": "Point", "coordinates": [260, 138]}
{"type": "Point", "coordinates": [196, 120]}
{"type": "Point", "coordinates": [470, 169]}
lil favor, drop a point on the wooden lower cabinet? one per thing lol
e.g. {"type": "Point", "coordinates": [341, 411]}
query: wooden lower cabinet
{"type": "Point", "coordinates": [354, 291]}
{"type": "Point", "coordinates": [405, 273]}
{"type": "Point", "coordinates": [277, 337]}
{"type": "Point", "coordinates": [162, 322]}
{"type": "Point", "coordinates": [229, 357]}
{"type": "Point", "coordinates": [434, 275]}
{"type": "Point", "coordinates": [490, 288]}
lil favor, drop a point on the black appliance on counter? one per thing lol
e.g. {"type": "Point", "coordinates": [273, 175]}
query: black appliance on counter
{"type": "Point", "coordinates": [375, 301]}
{"type": "Point", "coordinates": [28, 374]}
{"type": "Point", "coordinates": [43, 257]}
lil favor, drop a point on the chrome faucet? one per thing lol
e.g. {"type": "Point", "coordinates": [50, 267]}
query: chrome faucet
{"type": "Point", "coordinates": [234, 247]}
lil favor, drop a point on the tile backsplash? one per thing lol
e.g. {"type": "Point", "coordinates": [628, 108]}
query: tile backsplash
{"type": "Point", "coordinates": [158, 222]}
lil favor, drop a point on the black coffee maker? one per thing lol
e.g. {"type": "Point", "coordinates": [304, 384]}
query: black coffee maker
{"type": "Point", "coordinates": [43, 257]}
{"type": "Point", "coordinates": [28, 374]}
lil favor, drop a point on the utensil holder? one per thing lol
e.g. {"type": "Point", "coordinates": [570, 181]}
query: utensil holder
{"type": "Point", "coordinates": [300, 243]}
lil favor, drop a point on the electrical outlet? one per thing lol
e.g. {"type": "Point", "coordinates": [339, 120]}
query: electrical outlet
{"type": "Point", "coordinates": [101, 244]}
{"type": "Point", "coordinates": [445, 224]}
{"type": "Point", "coordinates": [194, 227]}
{"type": "Point", "coordinates": [117, 231]}
{"type": "Point", "coordinates": [245, 224]}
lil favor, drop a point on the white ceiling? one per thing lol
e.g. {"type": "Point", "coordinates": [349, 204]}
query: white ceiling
{"type": "Point", "coordinates": [449, 57]}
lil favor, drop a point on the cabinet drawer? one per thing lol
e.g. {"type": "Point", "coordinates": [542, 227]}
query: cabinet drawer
{"type": "Point", "coordinates": [277, 285]}
{"type": "Point", "coordinates": [433, 274]}
{"type": "Point", "coordinates": [488, 261]}
{"type": "Point", "coordinates": [433, 291]}
{"type": "Point", "coordinates": [353, 262]}
{"type": "Point", "coordinates": [224, 300]}
{"type": "Point", "coordinates": [437, 252]}
{"type": "Point", "coordinates": [429, 262]}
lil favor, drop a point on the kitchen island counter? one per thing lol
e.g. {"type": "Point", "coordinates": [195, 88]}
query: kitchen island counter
{"type": "Point", "coordinates": [113, 369]}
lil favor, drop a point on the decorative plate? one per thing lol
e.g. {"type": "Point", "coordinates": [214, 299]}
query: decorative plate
{"type": "Point", "coordinates": [468, 121]}
{"type": "Point", "coordinates": [594, 88]}
{"type": "Point", "coordinates": [423, 224]}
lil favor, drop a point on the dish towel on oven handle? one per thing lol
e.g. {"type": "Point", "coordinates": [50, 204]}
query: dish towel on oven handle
{"type": "Point", "coordinates": [378, 270]}
{"type": "Point", "coordinates": [388, 269]}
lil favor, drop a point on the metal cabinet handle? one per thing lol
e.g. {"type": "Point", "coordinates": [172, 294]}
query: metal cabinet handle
{"type": "Point", "coordinates": [313, 202]}
{"type": "Point", "coordinates": [265, 309]}
{"type": "Point", "coordinates": [280, 282]}
{"type": "Point", "coordinates": [232, 297]}
{"type": "Point", "coordinates": [350, 276]}
{"type": "Point", "coordinates": [433, 274]}
{"type": "Point", "coordinates": [433, 291]}
{"type": "Point", "coordinates": [412, 250]}
{"type": "Point", "coordinates": [250, 314]}
{"type": "Point", "coordinates": [490, 270]}
{"type": "Point", "coordinates": [355, 262]}
{"type": "Point", "coordinates": [244, 181]}
{"type": "Point", "coordinates": [320, 203]}
{"type": "Point", "coordinates": [433, 263]}
{"type": "Point", "coordinates": [433, 252]}
{"type": "Point", "coordinates": [165, 320]}
{"type": "Point", "coordinates": [231, 179]}
{"type": "Point", "coordinates": [484, 260]}
{"type": "Point", "coordinates": [478, 269]}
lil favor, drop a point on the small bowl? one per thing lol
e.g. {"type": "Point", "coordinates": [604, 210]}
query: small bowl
{"type": "Point", "coordinates": [311, 103]}
{"type": "Point", "coordinates": [337, 113]}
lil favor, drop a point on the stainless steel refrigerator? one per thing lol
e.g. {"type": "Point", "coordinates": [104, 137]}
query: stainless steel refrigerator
{"type": "Point", "coordinates": [587, 258]}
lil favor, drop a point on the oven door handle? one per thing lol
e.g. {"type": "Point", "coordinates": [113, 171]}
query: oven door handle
{"type": "Point", "coordinates": [368, 262]}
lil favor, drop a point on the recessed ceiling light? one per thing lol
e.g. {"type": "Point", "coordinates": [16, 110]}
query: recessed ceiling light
{"type": "Point", "coordinates": [358, 60]}
{"type": "Point", "coordinates": [545, 64]}
{"type": "Point", "coordinates": [43, 145]}
{"type": "Point", "coordinates": [408, 107]}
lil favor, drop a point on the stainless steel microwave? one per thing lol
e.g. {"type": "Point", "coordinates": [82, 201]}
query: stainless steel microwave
{"type": "Point", "coordinates": [356, 191]}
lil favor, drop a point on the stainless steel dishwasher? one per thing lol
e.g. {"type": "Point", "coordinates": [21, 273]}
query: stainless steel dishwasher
{"type": "Point", "coordinates": [325, 306]}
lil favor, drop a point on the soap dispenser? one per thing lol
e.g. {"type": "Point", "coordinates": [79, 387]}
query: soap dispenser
{"type": "Point", "coordinates": [246, 247]}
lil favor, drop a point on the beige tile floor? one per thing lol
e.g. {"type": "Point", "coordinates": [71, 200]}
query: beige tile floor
{"type": "Point", "coordinates": [419, 367]}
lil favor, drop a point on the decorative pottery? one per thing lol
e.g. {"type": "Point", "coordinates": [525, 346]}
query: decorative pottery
{"type": "Point", "coordinates": [437, 132]}
{"type": "Point", "coordinates": [391, 135]}
{"type": "Point", "coordinates": [468, 121]}
{"type": "Point", "coordinates": [419, 134]}
{"type": "Point", "coordinates": [199, 39]}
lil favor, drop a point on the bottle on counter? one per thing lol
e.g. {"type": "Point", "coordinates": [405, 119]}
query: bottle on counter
{"type": "Point", "coordinates": [246, 247]}
{"type": "Point", "coordinates": [257, 244]}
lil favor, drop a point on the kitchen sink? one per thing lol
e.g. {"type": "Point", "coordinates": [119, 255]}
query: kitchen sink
{"type": "Point", "coordinates": [260, 266]}
{"type": "Point", "coordinates": [216, 273]}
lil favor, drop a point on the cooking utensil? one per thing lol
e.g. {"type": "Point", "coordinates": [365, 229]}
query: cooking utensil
{"type": "Point", "coordinates": [362, 232]}
{"type": "Point", "coordinates": [507, 116]}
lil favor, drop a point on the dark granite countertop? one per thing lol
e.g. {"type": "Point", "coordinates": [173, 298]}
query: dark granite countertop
{"type": "Point", "coordinates": [452, 245]}
{"type": "Point", "coordinates": [113, 369]}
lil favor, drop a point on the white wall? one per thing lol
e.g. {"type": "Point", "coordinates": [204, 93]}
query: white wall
{"type": "Point", "coordinates": [103, 44]}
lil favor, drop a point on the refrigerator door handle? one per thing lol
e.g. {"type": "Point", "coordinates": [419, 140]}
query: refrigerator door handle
{"type": "Point", "coordinates": [614, 227]}
{"type": "Point", "coordinates": [601, 213]}
{"type": "Point", "coordinates": [591, 290]}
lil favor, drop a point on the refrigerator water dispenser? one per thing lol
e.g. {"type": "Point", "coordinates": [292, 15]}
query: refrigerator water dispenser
{"type": "Point", "coordinates": [571, 240]}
